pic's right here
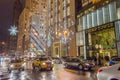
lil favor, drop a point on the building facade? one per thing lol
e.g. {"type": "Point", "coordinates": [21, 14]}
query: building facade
{"type": "Point", "coordinates": [32, 27]}
{"type": "Point", "coordinates": [24, 26]}
{"type": "Point", "coordinates": [98, 31]}
{"type": "Point", "coordinates": [38, 28]}
{"type": "Point", "coordinates": [61, 28]}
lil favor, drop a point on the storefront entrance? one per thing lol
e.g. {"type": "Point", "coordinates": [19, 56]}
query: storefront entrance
{"type": "Point", "coordinates": [102, 42]}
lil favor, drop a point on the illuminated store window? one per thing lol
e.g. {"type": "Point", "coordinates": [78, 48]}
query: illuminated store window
{"type": "Point", "coordinates": [106, 16]}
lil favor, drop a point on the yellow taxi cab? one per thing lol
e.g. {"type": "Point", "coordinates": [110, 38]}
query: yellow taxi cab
{"type": "Point", "coordinates": [42, 63]}
{"type": "Point", "coordinates": [16, 65]}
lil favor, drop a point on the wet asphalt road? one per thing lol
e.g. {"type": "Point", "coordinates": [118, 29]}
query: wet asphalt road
{"type": "Point", "coordinates": [58, 73]}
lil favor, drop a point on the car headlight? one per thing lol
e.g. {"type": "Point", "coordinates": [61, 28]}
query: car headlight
{"type": "Point", "coordinates": [23, 64]}
{"type": "Point", "coordinates": [43, 63]}
{"type": "Point", "coordinates": [87, 64]}
{"type": "Point", "coordinates": [11, 65]}
{"type": "Point", "coordinates": [52, 62]}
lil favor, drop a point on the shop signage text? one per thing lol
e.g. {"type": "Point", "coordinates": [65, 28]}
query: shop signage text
{"type": "Point", "coordinates": [99, 28]}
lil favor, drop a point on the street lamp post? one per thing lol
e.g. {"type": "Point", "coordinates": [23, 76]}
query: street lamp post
{"type": "Point", "coordinates": [65, 34]}
{"type": "Point", "coordinates": [65, 38]}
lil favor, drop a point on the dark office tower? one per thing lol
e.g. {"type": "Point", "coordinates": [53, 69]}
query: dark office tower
{"type": "Point", "coordinates": [17, 9]}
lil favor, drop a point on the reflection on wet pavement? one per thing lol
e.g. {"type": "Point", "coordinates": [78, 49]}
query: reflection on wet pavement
{"type": "Point", "coordinates": [58, 73]}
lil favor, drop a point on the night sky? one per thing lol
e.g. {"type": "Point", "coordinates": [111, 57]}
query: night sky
{"type": "Point", "coordinates": [6, 18]}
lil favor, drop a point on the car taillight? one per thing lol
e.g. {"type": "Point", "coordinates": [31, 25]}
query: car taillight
{"type": "Point", "coordinates": [100, 70]}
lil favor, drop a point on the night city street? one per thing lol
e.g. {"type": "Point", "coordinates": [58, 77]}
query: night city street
{"type": "Point", "coordinates": [59, 39]}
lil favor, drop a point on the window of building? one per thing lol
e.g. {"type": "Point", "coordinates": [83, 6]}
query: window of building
{"type": "Point", "coordinates": [106, 16]}
{"type": "Point", "coordinates": [80, 25]}
{"type": "Point", "coordinates": [84, 22]}
{"type": "Point", "coordinates": [51, 20]}
{"type": "Point", "coordinates": [117, 25]}
{"type": "Point", "coordinates": [89, 20]}
{"type": "Point", "coordinates": [94, 19]}
{"type": "Point", "coordinates": [68, 11]}
{"type": "Point", "coordinates": [59, 17]}
{"type": "Point", "coordinates": [112, 9]}
{"type": "Point", "coordinates": [118, 13]}
{"type": "Point", "coordinates": [64, 13]}
{"type": "Point", "coordinates": [43, 6]}
{"type": "Point", "coordinates": [79, 38]}
{"type": "Point", "coordinates": [69, 22]}
{"type": "Point", "coordinates": [99, 17]}
{"type": "Point", "coordinates": [68, 1]}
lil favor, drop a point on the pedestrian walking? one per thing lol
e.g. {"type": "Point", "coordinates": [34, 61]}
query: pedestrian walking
{"type": "Point", "coordinates": [94, 59]}
{"type": "Point", "coordinates": [107, 59]}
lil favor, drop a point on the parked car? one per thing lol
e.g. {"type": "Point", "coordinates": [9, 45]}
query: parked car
{"type": "Point", "coordinates": [77, 63]}
{"type": "Point", "coordinates": [109, 72]}
{"type": "Point", "coordinates": [114, 60]}
{"type": "Point", "coordinates": [64, 58]}
{"type": "Point", "coordinates": [42, 63]}
{"type": "Point", "coordinates": [56, 60]}
{"type": "Point", "coordinates": [16, 64]}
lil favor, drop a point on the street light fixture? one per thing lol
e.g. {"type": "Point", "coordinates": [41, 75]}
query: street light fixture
{"type": "Point", "coordinates": [65, 38]}
{"type": "Point", "coordinates": [3, 43]}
